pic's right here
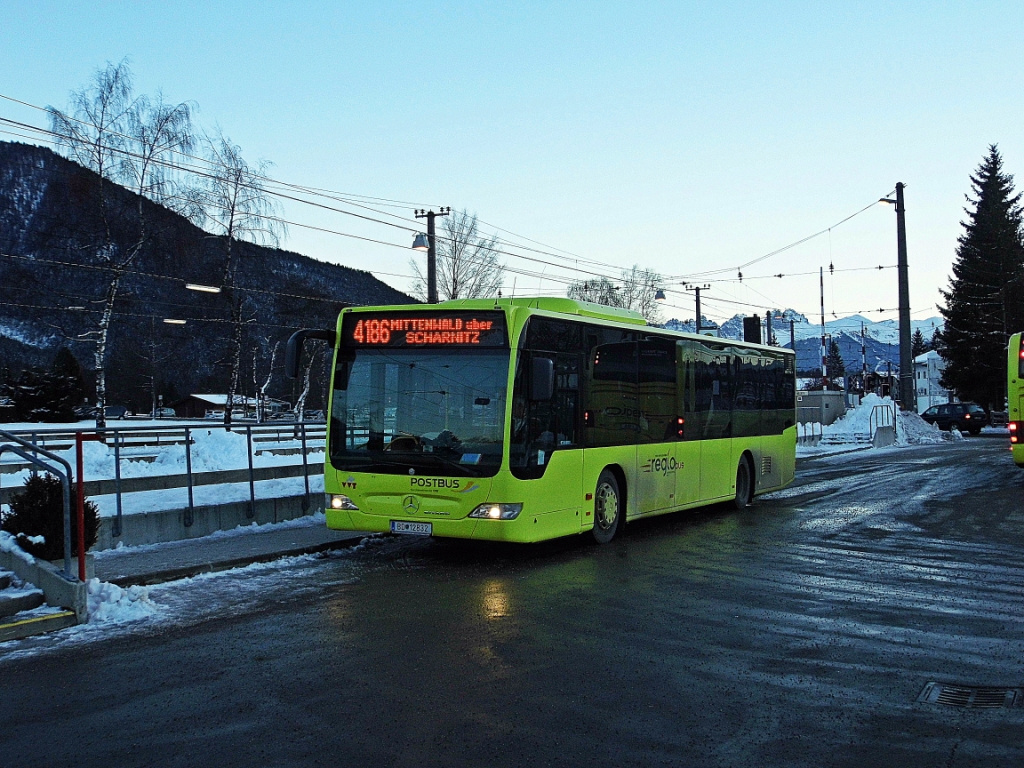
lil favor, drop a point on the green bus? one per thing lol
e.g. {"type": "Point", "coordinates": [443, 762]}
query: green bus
{"type": "Point", "coordinates": [528, 419]}
{"type": "Point", "coordinates": [1015, 397]}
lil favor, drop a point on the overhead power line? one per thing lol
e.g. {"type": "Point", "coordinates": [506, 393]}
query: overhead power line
{"type": "Point", "coordinates": [558, 259]}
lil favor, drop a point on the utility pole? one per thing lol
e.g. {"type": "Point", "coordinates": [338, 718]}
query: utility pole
{"type": "Point", "coordinates": [431, 251]}
{"type": "Point", "coordinates": [824, 359]}
{"type": "Point", "coordinates": [697, 289]}
{"type": "Point", "coordinates": [863, 361]}
{"type": "Point", "coordinates": [768, 328]}
{"type": "Point", "coordinates": [908, 394]}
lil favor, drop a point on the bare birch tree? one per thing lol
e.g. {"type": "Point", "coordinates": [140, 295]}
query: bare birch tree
{"type": "Point", "coordinates": [300, 402]}
{"type": "Point", "coordinates": [468, 264]}
{"type": "Point", "coordinates": [636, 290]}
{"type": "Point", "coordinates": [126, 141]}
{"type": "Point", "coordinates": [235, 206]}
{"type": "Point", "coordinates": [261, 389]}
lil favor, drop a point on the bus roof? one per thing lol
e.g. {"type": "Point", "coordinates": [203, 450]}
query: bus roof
{"type": "Point", "coordinates": [564, 307]}
{"type": "Point", "coordinates": [548, 304]}
{"type": "Point", "coordinates": [554, 304]}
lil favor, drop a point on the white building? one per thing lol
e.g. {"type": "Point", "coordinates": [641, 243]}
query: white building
{"type": "Point", "coordinates": [927, 372]}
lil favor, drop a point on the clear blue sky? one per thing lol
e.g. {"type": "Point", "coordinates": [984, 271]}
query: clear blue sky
{"type": "Point", "coordinates": [680, 136]}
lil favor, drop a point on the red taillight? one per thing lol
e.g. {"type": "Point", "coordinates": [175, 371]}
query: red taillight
{"type": "Point", "coordinates": [1014, 432]}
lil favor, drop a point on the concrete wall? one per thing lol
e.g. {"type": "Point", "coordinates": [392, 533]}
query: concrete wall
{"type": "Point", "coordinates": [169, 525]}
{"type": "Point", "coordinates": [821, 407]}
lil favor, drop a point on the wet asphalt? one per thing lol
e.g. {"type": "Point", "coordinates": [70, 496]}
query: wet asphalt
{"type": "Point", "coordinates": [799, 632]}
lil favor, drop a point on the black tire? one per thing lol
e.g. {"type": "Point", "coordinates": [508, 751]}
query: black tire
{"type": "Point", "coordinates": [976, 431]}
{"type": "Point", "coordinates": [608, 509]}
{"type": "Point", "coordinates": [744, 484]}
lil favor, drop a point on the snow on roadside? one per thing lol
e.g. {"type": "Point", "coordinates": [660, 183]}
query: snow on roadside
{"type": "Point", "coordinates": [9, 543]}
{"type": "Point", "coordinates": [111, 604]}
{"type": "Point", "coordinates": [858, 423]}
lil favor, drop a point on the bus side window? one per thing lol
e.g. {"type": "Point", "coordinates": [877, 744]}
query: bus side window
{"type": "Point", "coordinates": [659, 398]}
{"type": "Point", "coordinates": [611, 397]}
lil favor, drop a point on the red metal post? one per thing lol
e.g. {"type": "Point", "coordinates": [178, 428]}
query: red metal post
{"type": "Point", "coordinates": [80, 469]}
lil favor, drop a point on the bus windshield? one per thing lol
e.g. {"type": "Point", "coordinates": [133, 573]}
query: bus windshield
{"type": "Point", "coordinates": [421, 411]}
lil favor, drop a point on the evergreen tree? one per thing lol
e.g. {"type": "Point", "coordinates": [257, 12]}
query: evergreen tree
{"type": "Point", "coordinates": [985, 300]}
{"type": "Point", "coordinates": [66, 368]}
{"type": "Point", "coordinates": [43, 396]}
{"type": "Point", "coordinates": [36, 518]}
{"type": "Point", "coordinates": [834, 365]}
{"type": "Point", "coordinates": [918, 346]}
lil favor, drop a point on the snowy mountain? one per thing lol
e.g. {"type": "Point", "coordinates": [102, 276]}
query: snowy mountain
{"type": "Point", "coordinates": [881, 338]}
{"type": "Point", "coordinates": [52, 287]}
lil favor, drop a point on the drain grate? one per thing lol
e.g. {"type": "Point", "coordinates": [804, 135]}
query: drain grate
{"type": "Point", "coordinates": [974, 696]}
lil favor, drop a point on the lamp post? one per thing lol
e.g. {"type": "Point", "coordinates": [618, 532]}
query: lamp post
{"type": "Point", "coordinates": [428, 246]}
{"type": "Point", "coordinates": [908, 394]}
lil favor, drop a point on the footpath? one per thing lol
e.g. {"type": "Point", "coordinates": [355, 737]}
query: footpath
{"type": "Point", "coordinates": [156, 563]}
{"type": "Point", "coordinates": [22, 612]}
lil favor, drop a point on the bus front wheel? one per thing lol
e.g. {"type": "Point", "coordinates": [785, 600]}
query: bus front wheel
{"type": "Point", "coordinates": [744, 484]}
{"type": "Point", "coordinates": [608, 509]}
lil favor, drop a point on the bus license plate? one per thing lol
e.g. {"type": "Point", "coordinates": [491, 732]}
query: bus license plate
{"type": "Point", "coordinates": [417, 529]}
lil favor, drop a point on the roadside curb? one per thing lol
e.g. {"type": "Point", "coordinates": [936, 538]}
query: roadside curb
{"type": "Point", "coordinates": [59, 590]}
{"type": "Point", "coordinates": [195, 569]}
{"type": "Point", "coordinates": [37, 625]}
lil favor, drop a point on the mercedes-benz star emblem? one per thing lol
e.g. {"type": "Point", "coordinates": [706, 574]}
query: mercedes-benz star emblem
{"type": "Point", "coordinates": [411, 504]}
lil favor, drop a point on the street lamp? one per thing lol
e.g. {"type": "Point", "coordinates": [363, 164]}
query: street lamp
{"type": "Point", "coordinates": [419, 245]}
{"type": "Point", "coordinates": [908, 393]}
{"type": "Point", "coordinates": [202, 288]}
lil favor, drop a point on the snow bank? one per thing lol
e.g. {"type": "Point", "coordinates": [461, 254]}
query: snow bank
{"type": "Point", "coordinates": [9, 543]}
{"type": "Point", "coordinates": [110, 604]}
{"type": "Point", "coordinates": [856, 427]}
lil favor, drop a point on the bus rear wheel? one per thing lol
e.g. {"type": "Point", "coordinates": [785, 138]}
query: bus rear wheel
{"type": "Point", "coordinates": [744, 484]}
{"type": "Point", "coordinates": [608, 509]}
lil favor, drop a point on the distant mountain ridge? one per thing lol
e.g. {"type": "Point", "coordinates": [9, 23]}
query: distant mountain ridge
{"type": "Point", "coordinates": [50, 288]}
{"type": "Point", "coordinates": [880, 343]}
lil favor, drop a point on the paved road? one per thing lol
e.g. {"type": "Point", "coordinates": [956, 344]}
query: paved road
{"type": "Point", "coordinates": [798, 633]}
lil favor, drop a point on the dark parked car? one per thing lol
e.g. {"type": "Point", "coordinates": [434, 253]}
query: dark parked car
{"type": "Point", "coordinates": [966, 417]}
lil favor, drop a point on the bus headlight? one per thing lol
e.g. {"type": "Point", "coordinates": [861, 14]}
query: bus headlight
{"type": "Point", "coordinates": [340, 501]}
{"type": "Point", "coordinates": [497, 511]}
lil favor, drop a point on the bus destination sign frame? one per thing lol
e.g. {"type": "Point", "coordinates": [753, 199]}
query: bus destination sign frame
{"type": "Point", "coordinates": [424, 330]}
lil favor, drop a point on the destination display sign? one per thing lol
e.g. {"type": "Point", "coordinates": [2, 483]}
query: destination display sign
{"type": "Point", "coordinates": [424, 329]}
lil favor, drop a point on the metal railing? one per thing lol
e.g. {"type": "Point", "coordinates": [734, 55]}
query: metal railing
{"type": "Point", "coordinates": [295, 437]}
{"type": "Point", "coordinates": [28, 452]}
{"type": "Point", "coordinates": [881, 416]}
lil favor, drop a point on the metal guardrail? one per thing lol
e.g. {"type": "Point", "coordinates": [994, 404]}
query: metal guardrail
{"type": "Point", "coordinates": [62, 438]}
{"type": "Point", "coordinates": [299, 433]}
{"type": "Point", "coordinates": [809, 429]}
{"type": "Point", "coordinates": [881, 416]}
{"type": "Point", "coordinates": [29, 452]}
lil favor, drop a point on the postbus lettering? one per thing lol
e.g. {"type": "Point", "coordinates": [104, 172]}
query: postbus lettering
{"type": "Point", "coordinates": [433, 482]}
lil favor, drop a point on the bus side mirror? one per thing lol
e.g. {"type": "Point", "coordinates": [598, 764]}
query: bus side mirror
{"type": "Point", "coordinates": [542, 378]}
{"type": "Point", "coordinates": [293, 350]}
